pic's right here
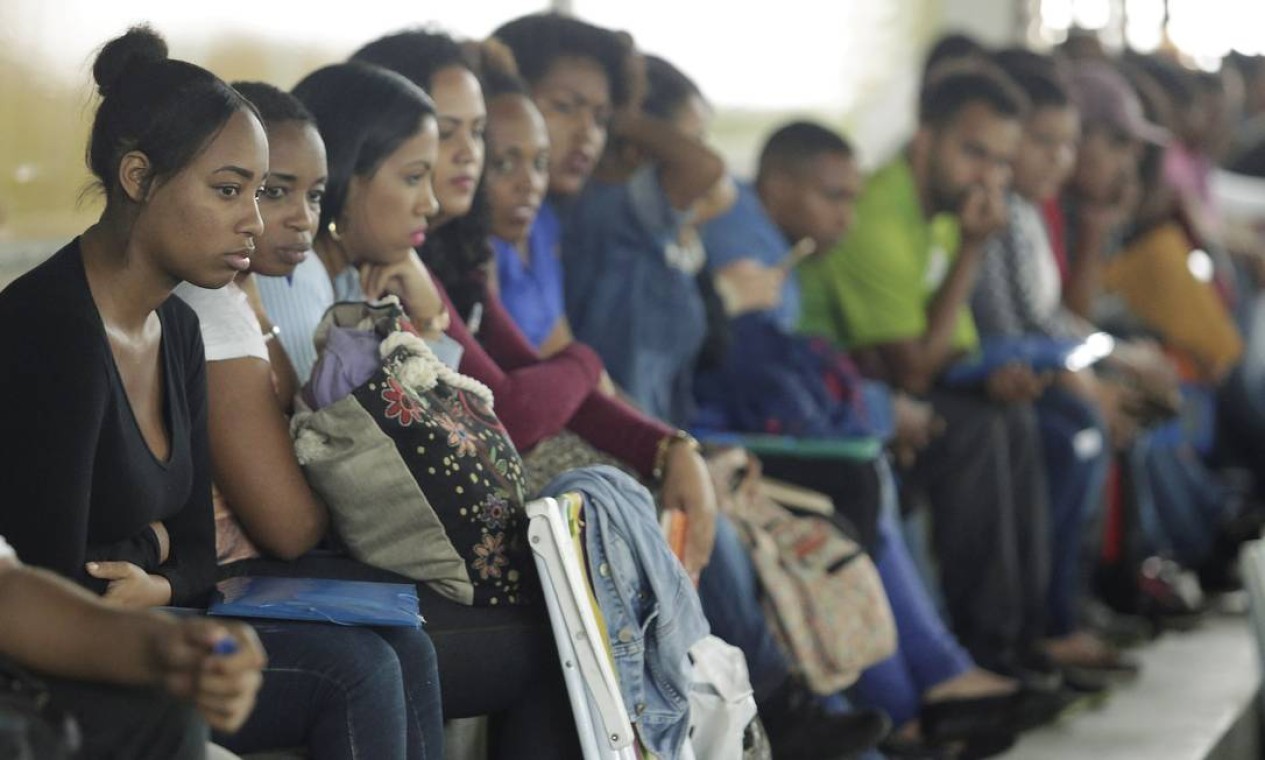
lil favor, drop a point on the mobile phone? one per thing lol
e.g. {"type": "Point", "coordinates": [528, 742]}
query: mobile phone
{"type": "Point", "coordinates": [799, 252]}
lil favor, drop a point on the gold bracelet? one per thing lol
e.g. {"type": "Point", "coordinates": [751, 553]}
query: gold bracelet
{"type": "Point", "coordinates": [665, 445]}
{"type": "Point", "coordinates": [432, 323]}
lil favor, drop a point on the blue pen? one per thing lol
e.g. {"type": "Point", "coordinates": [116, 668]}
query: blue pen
{"type": "Point", "coordinates": [225, 647]}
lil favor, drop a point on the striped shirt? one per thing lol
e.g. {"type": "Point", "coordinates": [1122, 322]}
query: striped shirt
{"type": "Point", "coordinates": [296, 304]}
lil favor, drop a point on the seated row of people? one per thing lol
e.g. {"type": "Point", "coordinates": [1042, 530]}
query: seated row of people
{"type": "Point", "coordinates": [576, 265]}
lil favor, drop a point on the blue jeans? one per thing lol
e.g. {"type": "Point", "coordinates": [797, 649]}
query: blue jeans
{"type": "Point", "coordinates": [1180, 502]}
{"type": "Point", "coordinates": [344, 693]}
{"type": "Point", "coordinates": [927, 653]}
{"type": "Point", "coordinates": [1077, 457]}
{"type": "Point", "coordinates": [730, 593]}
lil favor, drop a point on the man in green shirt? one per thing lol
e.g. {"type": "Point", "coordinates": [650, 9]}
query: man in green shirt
{"type": "Point", "coordinates": [895, 293]}
{"type": "Point", "coordinates": [896, 289]}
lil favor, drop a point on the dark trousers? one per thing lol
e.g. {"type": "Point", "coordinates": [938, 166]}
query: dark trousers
{"type": "Point", "coordinates": [985, 482]}
{"type": "Point", "coordinates": [927, 653]}
{"type": "Point", "coordinates": [497, 661]}
{"type": "Point", "coordinates": [119, 723]}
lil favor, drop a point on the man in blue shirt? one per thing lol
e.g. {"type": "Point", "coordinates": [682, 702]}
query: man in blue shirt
{"type": "Point", "coordinates": [746, 251]}
{"type": "Point", "coordinates": [816, 392]}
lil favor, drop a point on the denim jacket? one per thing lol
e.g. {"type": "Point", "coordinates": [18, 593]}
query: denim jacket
{"type": "Point", "coordinates": [652, 612]}
{"type": "Point", "coordinates": [631, 293]}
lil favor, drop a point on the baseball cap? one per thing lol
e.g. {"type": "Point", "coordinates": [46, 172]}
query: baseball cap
{"type": "Point", "coordinates": [1104, 96]}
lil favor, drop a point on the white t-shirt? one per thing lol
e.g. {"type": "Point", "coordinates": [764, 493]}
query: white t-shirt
{"type": "Point", "coordinates": [6, 551]}
{"type": "Point", "coordinates": [230, 329]}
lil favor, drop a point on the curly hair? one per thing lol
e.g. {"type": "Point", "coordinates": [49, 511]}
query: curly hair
{"type": "Point", "coordinates": [540, 39]}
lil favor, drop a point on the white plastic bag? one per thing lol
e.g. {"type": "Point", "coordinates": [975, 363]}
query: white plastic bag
{"type": "Point", "coordinates": [722, 702]}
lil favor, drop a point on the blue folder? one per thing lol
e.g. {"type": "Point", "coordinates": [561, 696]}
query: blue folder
{"type": "Point", "coordinates": [1040, 353]}
{"type": "Point", "coordinates": [328, 601]}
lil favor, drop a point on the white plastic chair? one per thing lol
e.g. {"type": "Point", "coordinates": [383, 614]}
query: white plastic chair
{"type": "Point", "coordinates": [1252, 568]}
{"type": "Point", "coordinates": [600, 718]}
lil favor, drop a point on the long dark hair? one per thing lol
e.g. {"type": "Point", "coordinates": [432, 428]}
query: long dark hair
{"type": "Point", "coordinates": [418, 54]}
{"type": "Point", "coordinates": [363, 113]}
{"type": "Point", "coordinates": [458, 252]}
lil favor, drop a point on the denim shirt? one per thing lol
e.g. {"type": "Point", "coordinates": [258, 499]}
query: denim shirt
{"type": "Point", "coordinates": [653, 615]}
{"type": "Point", "coordinates": [630, 291]}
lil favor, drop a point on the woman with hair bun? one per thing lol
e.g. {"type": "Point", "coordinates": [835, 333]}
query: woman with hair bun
{"type": "Point", "coordinates": [103, 451]}
{"type": "Point", "coordinates": [108, 457]}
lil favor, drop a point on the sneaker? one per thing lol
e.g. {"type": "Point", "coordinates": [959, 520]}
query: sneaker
{"type": "Point", "coordinates": [1169, 594]}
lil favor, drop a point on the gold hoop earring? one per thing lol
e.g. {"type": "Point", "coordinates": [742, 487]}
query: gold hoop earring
{"type": "Point", "coordinates": [332, 229]}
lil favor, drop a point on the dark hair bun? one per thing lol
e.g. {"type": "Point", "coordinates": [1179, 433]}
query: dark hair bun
{"type": "Point", "coordinates": [141, 44]}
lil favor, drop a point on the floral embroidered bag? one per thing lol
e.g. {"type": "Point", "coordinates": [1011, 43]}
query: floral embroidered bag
{"type": "Point", "coordinates": [419, 475]}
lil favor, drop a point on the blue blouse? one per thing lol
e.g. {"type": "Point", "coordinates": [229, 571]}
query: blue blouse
{"type": "Point", "coordinates": [532, 292]}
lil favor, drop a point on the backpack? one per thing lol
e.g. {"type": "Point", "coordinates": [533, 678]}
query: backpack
{"type": "Point", "coordinates": [822, 592]}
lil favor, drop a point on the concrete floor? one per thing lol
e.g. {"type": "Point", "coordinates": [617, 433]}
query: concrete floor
{"type": "Point", "coordinates": [1197, 698]}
